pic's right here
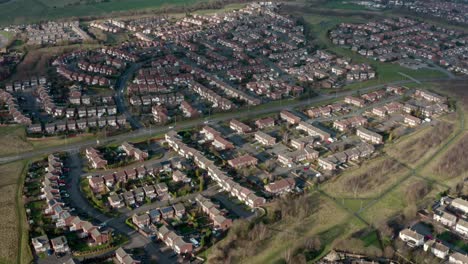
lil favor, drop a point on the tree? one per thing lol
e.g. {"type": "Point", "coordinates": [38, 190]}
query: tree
{"type": "Point", "coordinates": [202, 184]}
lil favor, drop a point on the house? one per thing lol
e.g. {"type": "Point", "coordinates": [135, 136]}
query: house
{"type": "Point", "coordinates": [289, 158]}
{"type": "Point", "coordinates": [41, 244]}
{"type": "Point", "coordinates": [123, 257]}
{"type": "Point", "coordinates": [265, 122]}
{"type": "Point", "coordinates": [221, 144]}
{"type": "Point", "coordinates": [188, 110]}
{"type": "Point", "coordinates": [160, 114]}
{"type": "Point", "coordinates": [290, 117]}
{"type": "Point", "coordinates": [115, 201]}
{"type": "Point", "coordinates": [411, 237]}
{"type": "Point", "coordinates": [139, 194]}
{"type": "Point", "coordinates": [97, 184]}
{"type": "Point", "coordinates": [302, 142]}
{"type": "Point", "coordinates": [460, 205]}
{"type": "Point", "coordinates": [411, 120]}
{"type": "Point", "coordinates": [134, 152]}
{"type": "Point", "coordinates": [239, 127]}
{"type": "Point", "coordinates": [281, 186]}
{"type": "Point", "coordinates": [243, 161]}
{"type": "Point", "coordinates": [354, 101]}
{"type": "Point", "coordinates": [379, 111]}
{"type": "Point", "coordinates": [437, 248]}
{"type": "Point", "coordinates": [431, 97]}
{"type": "Point", "coordinates": [60, 244]}
{"type": "Point", "coordinates": [462, 227]}
{"type": "Point", "coordinates": [95, 159]}
{"type": "Point", "coordinates": [129, 198]}
{"type": "Point", "coordinates": [216, 215]}
{"type": "Point", "coordinates": [161, 188]}
{"type": "Point", "coordinates": [150, 192]}
{"type": "Point", "coordinates": [345, 124]}
{"type": "Point", "coordinates": [458, 258]}
{"type": "Point", "coordinates": [264, 138]}
{"type": "Point", "coordinates": [181, 247]}
{"type": "Point", "coordinates": [179, 209]}
{"type": "Point", "coordinates": [313, 131]}
{"type": "Point", "coordinates": [445, 218]}
{"type": "Point", "coordinates": [167, 212]}
{"type": "Point", "coordinates": [368, 135]}
{"type": "Point", "coordinates": [120, 176]}
{"type": "Point", "coordinates": [179, 176]}
{"type": "Point", "coordinates": [155, 215]}
{"type": "Point", "coordinates": [142, 220]}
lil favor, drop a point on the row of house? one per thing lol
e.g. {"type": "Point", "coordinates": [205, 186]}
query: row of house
{"type": "Point", "coordinates": [13, 109]}
{"type": "Point", "coordinates": [331, 162]}
{"type": "Point", "coordinates": [72, 125]}
{"type": "Point", "coordinates": [415, 239]}
{"type": "Point", "coordinates": [220, 221]}
{"type": "Point", "coordinates": [59, 214]}
{"type": "Point", "coordinates": [156, 215]}
{"type": "Point", "coordinates": [217, 139]}
{"type": "Point", "coordinates": [95, 158]}
{"type": "Point", "coordinates": [137, 195]}
{"type": "Point", "coordinates": [242, 193]}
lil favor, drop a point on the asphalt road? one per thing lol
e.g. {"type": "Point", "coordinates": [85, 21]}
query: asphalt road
{"type": "Point", "coordinates": [81, 203]}
{"type": "Point", "coordinates": [145, 132]}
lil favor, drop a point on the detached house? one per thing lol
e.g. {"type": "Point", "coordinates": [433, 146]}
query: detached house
{"type": "Point", "coordinates": [411, 237]}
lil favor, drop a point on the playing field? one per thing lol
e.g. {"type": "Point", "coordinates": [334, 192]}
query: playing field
{"type": "Point", "coordinates": [27, 11]}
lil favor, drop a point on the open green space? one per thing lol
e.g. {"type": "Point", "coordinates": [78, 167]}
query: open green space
{"type": "Point", "coordinates": [28, 11]}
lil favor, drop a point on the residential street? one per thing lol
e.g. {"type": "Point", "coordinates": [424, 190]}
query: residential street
{"type": "Point", "coordinates": [118, 224]}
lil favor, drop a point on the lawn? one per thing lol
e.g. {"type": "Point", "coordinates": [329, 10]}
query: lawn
{"type": "Point", "coordinates": [41, 10]}
{"type": "Point", "coordinates": [14, 233]}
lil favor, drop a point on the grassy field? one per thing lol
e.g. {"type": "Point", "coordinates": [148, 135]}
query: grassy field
{"type": "Point", "coordinates": [342, 4]}
{"type": "Point", "coordinates": [451, 166]}
{"type": "Point", "coordinates": [13, 140]}
{"type": "Point", "coordinates": [39, 10]}
{"type": "Point", "coordinates": [329, 223]}
{"type": "Point", "coordinates": [368, 180]}
{"type": "Point", "coordinates": [37, 61]}
{"type": "Point", "coordinates": [14, 234]}
{"type": "Point", "coordinates": [416, 147]}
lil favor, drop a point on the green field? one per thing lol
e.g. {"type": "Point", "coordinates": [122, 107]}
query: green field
{"type": "Point", "coordinates": [27, 11]}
